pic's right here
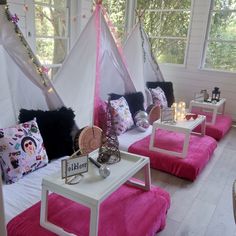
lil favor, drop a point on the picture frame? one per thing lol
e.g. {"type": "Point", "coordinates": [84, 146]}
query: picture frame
{"type": "Point", "coordinates": [74, 166]}
{"type": "Point", "coordinates": [168, 115]}
{"type": "Point", "coordinates": [199, 97]}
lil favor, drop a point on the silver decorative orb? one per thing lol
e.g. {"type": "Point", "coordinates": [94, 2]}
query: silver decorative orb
{"type": "Point", "coordinates": [142, 124]}
{"type": "Point", "coordinates": [140, 115]}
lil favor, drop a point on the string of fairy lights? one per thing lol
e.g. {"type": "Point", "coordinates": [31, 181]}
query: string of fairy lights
{"type": "Point", "coordinates": [41, 70]}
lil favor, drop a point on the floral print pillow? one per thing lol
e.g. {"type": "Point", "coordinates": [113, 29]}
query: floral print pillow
{"type": "Point", "coordinates": [159, 97]}
{"type": "Point", "coordinates": [21, 151]}
{"type": "Point", "coordinates": [121, 115]}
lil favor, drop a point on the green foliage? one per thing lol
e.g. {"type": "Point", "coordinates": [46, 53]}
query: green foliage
{"type": "Point", "coordinates": [221, 56]}
{"type": "Point", "coordinates": [167, 29]}
{"type": "Point", "coordinates": [221, 50]}
{"type": "Point", "coordinates": [116, 13]}
{"type": "Point", "coordinates": [50, 22]}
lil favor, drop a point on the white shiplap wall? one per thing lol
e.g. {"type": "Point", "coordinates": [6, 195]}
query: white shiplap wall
{"type": "Point", "coordinates": [190, 78]}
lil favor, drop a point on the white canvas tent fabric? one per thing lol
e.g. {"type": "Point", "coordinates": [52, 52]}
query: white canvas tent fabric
{"type": "Point", "coordinates": [93, 69]}
{"type": "Point", "coordinates": [21, 85]}
{"type": "Point", "coordinates": [141, 63]}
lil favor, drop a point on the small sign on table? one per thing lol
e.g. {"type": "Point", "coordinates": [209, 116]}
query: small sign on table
{"type": "Point", "coordinates": [168, 115]}
{"type": "Point", "coordinates": [74, 166]}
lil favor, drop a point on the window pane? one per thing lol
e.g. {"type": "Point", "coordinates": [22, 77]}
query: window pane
{"type": "Point", "coordinates": [50, 21]}
{"type": "Point", "coordinates": [223, 25]}
{"type": "Point", "coordinates": [175, 23]}
{"type": "Point", "coordinates": [221, 56]}
{"type": "Point", "coordinates": [151, 4]}
{"type": "Point", "coordinates": [178, 4]}
{"type": "Point", "coordinates": [51, 51]}
{"type": "Point", "coordinates": [152, 23]}
{"type": "Point", "coordinates": [43, 1]}
{"type": "Point", "coordinates": [116, 13]}
{"type": "Point", "coordinates": [225, 4]}
{"type": "Point", "coordinates": [169, 50]}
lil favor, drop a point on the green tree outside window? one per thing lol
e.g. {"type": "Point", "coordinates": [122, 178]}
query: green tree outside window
{"type": "Point", "coordinates": [220, 50]}
{"type": "Point", "coordinates": [166, 23]}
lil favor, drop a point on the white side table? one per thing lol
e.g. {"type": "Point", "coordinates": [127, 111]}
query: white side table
{"type": "Point", "coordinates": [93, 189]}
{"type": "Point", "coordinates": [216, 108]}
{"type": "Point", "coordinates": [185, 127]}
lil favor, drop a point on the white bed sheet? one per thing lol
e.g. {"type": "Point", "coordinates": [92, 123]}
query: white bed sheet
{"type": "Point", "coordinates": [27, 191]}
{"type": "Point", "coordinates": [128, 138]}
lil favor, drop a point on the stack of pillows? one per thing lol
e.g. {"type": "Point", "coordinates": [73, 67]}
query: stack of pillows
{"type": "Point", "coordinates": [39, 137]}
{"type": "Point", "coordinates": [125, 107]}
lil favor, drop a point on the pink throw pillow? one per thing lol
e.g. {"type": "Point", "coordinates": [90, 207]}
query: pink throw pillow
{"type": "Point", "coordinates": [159, 97]}
{"type": "Point", "coordinates": [121, 115]}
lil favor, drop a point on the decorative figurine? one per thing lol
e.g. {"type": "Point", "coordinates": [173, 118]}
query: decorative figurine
{"type": "Point", "coordinates": [206, 95]}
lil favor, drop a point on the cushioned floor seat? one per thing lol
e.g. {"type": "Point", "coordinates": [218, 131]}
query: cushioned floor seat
{"type": "Point", "coordinates": [199, 153]}
{"type": "Point", "coordinates": [220, 128]}
{"type": "Point", "coordinates": [128, 211]}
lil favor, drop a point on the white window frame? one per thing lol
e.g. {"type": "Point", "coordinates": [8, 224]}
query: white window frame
{"type": "Point", "coordinates": [66, 37]}
{"type": "Point", "coordinates": [207, 40]}
{"type": "Point", "coordinates": [170, 37]}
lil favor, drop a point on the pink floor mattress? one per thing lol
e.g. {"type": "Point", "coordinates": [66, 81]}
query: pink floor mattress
{"type": "Point", "coordinates": [128, 211]}
{"type": "Point", "coordinates": [199, 153]}
{"type": "Point", "coordinates": [220, 128]}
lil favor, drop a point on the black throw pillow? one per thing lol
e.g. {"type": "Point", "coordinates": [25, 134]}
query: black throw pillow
{"type": "Point", "coordinates": [167, 87]}
{"type": "Point", "coordinates": [134, 100]}
{"type": "Point", "coordinates": [55, 127]}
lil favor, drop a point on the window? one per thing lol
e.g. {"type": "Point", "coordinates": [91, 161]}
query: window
{"type": "Point", "coordinates": [166, 23]}
{"type": "Point", "coordinates": [51, 33]}
{"type": "Point", "coordinates": [116, 13]}
{"type": "Point", "coordinates": [220, 47]}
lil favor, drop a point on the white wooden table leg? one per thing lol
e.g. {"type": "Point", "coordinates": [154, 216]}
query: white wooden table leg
{"type": "Point", "coordinates": [214, 116]}
{"type": "Point", "coordinates": [223, 108]}
{"type": "Point", "coordinates": [151, 144]}
{"type": "Point", "coordinates": [94, 218]}
{"type": "Point", "coordinates": [147, 176]}
{"type": "Point", "coordinates": [186, 144]}
{"type": "Point", "coordinates": [44, 206]}
{"type": "Point", "coordinates": [203, 127]}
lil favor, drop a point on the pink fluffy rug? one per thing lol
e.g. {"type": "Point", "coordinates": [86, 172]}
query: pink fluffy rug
{"type": "Point", "coordinates": [199, 153]}
{"type": "Point", "coordinates": [128, 211]}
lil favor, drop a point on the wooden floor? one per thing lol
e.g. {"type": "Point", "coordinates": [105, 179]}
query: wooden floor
{"type": "Point", "coordinates": [203, 207]}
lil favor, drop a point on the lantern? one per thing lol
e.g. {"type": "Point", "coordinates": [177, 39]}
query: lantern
{"type": "Point", "coordinates": [215, 95]}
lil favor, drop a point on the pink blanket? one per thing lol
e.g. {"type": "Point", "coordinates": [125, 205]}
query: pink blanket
{"type": "Point", "coordinates": [199, 153]}
{"type": "Point", "coordinates": [128, 211]}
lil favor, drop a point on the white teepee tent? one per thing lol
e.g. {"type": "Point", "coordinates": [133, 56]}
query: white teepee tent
{"type": "Point", "coordinates": [141, 63]}
{"type": "Point", "coordinates": [23, 84]}
{"type": "Point", "coordinates": [93, 69]}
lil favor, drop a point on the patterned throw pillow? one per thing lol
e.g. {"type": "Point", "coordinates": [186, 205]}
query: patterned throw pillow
{"type": "Point", "coordinates": [159, 97]}
{"type": "Point", "coordinates": [21, 151]}
{"type": "Point", "coordinates": [121, 115]}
